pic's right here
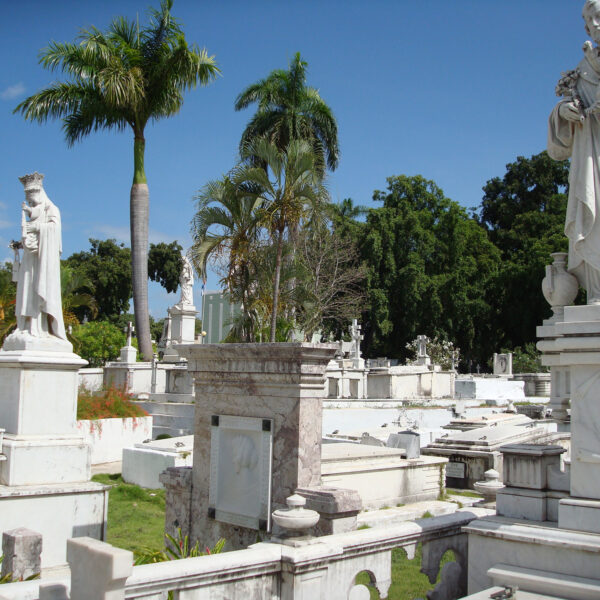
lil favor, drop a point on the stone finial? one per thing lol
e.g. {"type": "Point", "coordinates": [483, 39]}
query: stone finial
{"type": "Point", "coordinates": [490, 486]}
{"type": "Point", "coordinates": [295, 518]}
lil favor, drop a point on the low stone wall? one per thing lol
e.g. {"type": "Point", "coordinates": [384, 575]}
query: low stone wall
{"type": "Point", "coordinates": [91, 379]}
{"type": "Point", "coordinates": [108, 437]}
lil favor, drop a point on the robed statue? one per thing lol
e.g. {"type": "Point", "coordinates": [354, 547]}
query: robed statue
{"type": "Point", "coordinates": [574, 131]}
{"type": "Point", "coordinates": [38, 305]}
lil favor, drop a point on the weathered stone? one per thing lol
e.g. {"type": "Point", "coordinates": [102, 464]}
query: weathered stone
{"type": "Point", "coordinates": [22, 549]}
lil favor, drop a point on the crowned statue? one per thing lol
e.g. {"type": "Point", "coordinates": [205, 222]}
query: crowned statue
{"type": "Point", "coordinates": [38, 305]}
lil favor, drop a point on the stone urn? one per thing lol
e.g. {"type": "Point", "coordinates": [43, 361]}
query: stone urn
{"type": "Point", "coordinates": [559, 286]}
{"type": "Point", "coordinates": [489, 486]}
{"type": "Point", "coordinates": [295, 519]}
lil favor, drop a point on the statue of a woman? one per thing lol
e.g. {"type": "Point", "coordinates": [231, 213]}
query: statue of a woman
{"type": "Point", "coordinates": [38, 306]}
{"type": "Point", "coordinates": [186, 281]}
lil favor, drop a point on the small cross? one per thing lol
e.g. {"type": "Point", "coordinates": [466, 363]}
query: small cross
{"type": "Point", "coordinates": [129, 331]}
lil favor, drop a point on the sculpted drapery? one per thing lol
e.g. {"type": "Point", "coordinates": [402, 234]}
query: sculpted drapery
{"type": "Point", "coordinates": [38, 305]}
{"type": "Point", "coordinates": [574, 132]}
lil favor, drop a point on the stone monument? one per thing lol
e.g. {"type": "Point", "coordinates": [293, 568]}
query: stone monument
{"type": "Point", "coordinates": [546, 537]}
{"type": "Point", "coordinates": [44, 477]}
{"type": "Point", "coordinates": [422, 356]}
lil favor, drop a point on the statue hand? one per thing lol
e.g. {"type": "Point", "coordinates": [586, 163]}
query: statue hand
{"type": "Point", "coordinates": [569, 112]}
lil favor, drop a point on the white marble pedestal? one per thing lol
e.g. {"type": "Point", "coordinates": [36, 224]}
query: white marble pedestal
{"type": "Point", "coordinates": [45, 477]}
{"type": "Point", "coordinates": [183, 323]}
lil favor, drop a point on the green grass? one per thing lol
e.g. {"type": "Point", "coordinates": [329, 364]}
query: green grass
{"type": "Point", "coordinates": [467, 493]}
{"type": "Point", "coordinates": [136, 516]}
{"type": "Point", "coordinates": [407, 580]}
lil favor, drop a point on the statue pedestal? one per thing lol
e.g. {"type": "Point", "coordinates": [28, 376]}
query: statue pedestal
{"type": "Point", "coordinates": [38, 407]}
{"type": "Point", "coordinates": [183, 323]}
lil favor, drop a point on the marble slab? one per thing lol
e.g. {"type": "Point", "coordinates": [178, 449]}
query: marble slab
{"type": "Point", "coordinates": [241, 456]}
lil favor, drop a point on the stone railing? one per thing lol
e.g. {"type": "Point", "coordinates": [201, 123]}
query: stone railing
{"type": "Point", "coordinates": [297, 568]}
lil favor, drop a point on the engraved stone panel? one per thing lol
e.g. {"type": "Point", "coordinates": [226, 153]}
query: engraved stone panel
{"type": "Point", "coordinates": [241, 450]}
{"type": "Point", "coordinates": [456, 470]}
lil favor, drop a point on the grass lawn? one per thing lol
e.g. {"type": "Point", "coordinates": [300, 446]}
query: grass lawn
{"type": "Point", "coordinates": [407, 580]}
{"type": "Point", "coordinates": [136, 516]}
{"type": "Point", "coordinates": [136, 519]}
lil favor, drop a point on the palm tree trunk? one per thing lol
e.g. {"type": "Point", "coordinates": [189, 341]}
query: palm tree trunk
{"type": "Point", "coordinates": [276, 285]}
{"type": "Point", "coordinates": [139, 213]}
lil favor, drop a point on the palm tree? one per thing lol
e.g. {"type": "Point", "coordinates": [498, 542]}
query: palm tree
{"type": "Point", "coordinates": [227, 222]}
{"type": "Point", "coordinates": [289, 110]}
{"type": "Point", "coordinates": [118, 79]}
{"type": "Point", "coordinates": [288, 187]}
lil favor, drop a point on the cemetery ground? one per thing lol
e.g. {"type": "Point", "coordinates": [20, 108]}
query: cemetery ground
{"type": "Point", "coordinates": [136, 522]}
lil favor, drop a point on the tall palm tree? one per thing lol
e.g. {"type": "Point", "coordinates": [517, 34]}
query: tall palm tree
{"type": "Point", "coordinates": [288, 187]}
{"type": "Point", "coordinates": [289, 110]}
{"type": "Point", "coordinates": [118, 79]}
{"type": "Point", "coordinates": [227, 222]}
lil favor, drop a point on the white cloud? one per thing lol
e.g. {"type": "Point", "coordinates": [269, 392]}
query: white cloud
{"type": "Point", "coordinates": [12, 91]}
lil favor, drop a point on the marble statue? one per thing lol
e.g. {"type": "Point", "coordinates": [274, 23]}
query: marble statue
{"type": "Point", "coordinates": [186, 281]}
{"type": "Point", "coordinates": [574, 131]}
{"type": "Point", "coordinates": [38, 305]}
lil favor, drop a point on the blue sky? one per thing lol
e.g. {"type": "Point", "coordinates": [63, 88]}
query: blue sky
{"type": "Point", "coordinates": [450, 90]}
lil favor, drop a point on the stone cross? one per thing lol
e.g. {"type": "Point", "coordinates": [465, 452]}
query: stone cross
{"type": "Point", "coordinates": [422, 341]}
{"type": "Point", "coordinates": [129, 331]}
{"type": "Point", "coordinates": [356, 337]}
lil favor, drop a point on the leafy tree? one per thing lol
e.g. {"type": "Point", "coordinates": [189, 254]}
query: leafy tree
{"type": "Point", "coordinates": [99, 342]}
{"type": "Point", "coordinates": [441, 352]}
{"type": "Point", "coordinates": [289, 110]}
{"type": "Point", "coordinates": [165, 264]}
{"type": "Point", "coordinates": [119, 79]}
{"type": "Point", "coordinates": [288, 188]}
{"type": "Point", "coordinates": [72, 284]}
{"type": "Point", "coordinates": [107, 266]}
{"type": "Point", "coordinates": [526, 359]}
{"type": "Point", "coordinates": [524, 213]}
{"type": "Point", "coordinates": [8, 294]}
{"type": "Point", "coordinates": [226, 223]}
{"type": "Point", "coordinates": [429, 269]}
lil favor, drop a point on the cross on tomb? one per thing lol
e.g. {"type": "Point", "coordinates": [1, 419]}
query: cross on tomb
{"type": "Point", "coordinates": [422, 341]}
{"type": "Point", "coordinates": [129, 331]}
{"type": "Point", "coordinates": [356, 337]}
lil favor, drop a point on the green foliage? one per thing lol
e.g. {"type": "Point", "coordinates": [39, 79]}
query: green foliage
{"type": "Point", "coordinates": [526, 359]}
{"type": "Point", "coordinates": [177, 548]}
{"type": "Point", "coordinates": [99, 341]}
{"type": "Point", "coordinates": [136, 516]}
{"type": "Point", "coordinates": [107, 266]}
{"type": "Point", "coordinates": [8, 294]}
{"type": "Point", "coordinates": [165, 264]}
{"type": "Point", "coordinates": [110, 402]}
{"type": "Point", "coordinates": [429, 270]}
{"type": "Point", "coordinates": [524, 214]}
{"type": "Point", "coordinates": [288, 110]}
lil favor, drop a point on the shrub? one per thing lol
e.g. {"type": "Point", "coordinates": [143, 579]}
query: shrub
{"type": "Point", "coordinates": [98, 342]}
{"type": "Point", "coordinates": [107, 403]}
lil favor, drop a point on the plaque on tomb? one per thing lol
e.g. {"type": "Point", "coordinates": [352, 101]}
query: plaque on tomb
{"type": "Point", "coordinates": [455, 470]}
{"type": "Point", "coordinates": [241, 450]}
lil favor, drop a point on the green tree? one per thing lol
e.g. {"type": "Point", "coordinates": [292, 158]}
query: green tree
{"type": "Point", "coordinates": [523, 213]}
{"type": "Point", "coordinates": [429, 269]}
{"type": "Point", "coordinates": [98, 342]}
{"type": "Point", "coordinates": [107, 266]}
{"type": "Point", "coordinates": [119, 79]}
{"type": "Point", "coordinates": [76, 293]}
{"type": "Point", "coordinates": [289, 188]}
{"type": "Point", "coordinates": [290, 110]}
{"type": "Point", "coordinates": [8, 294]}
{"type": "Point", "coordinates": [226, 223]}
{"type": "Point", "coordinates": [165, 264]}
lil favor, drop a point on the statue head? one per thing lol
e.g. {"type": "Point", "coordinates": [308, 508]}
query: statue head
{"type": "Point", "coordinates": [34, 188]}
{"type": "Point", "coordinates": [591, 16]}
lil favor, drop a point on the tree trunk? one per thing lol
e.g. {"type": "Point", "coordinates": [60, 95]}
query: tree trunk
{"type": "Point", "coordinates": [276, 286]}
{"type": "Point", "coordinates": [139, 207]}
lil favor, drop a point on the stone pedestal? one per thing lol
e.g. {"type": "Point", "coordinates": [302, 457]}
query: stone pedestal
{"type": "Point", "coordinates": [45, 477]}
{"type": "Point", "coordinates": [281, 384]}
{"type": "Point", "coordinates": [128, 354]}
{"type": "Point", "coordinates": [183, 323]}
{"type": "Point", "coordinates": [38, 406]}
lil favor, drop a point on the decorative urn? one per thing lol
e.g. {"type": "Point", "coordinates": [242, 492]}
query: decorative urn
{"type": "Point", "coordinates": [559, 286]}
